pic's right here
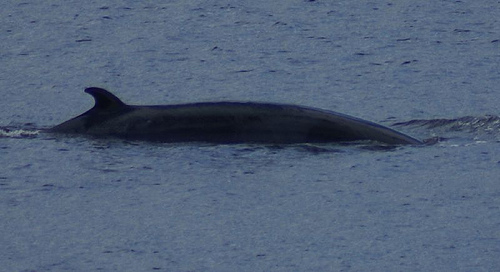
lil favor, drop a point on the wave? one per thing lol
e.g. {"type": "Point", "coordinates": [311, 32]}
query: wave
{"type": "Point", "coordinates": [481, 127]}
{"type": "Point", "coordinates": [467, 123]}
{"type": "Point", "coordinates": [7, 132]}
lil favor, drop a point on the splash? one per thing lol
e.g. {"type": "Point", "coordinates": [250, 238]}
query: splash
{"type": "Point", "coordinates": [483, 128]}
{"type": "Point", "coordinates": [488, 123]}
{"type": "Point", "coordinates": [6, 132]}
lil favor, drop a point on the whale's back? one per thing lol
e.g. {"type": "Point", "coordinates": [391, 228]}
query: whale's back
{"type": "Point", "coordinates": [224, 122]}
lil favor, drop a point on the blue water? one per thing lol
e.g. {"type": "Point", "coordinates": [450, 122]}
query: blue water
{"type": "Point", "coordinates": [429, 69]}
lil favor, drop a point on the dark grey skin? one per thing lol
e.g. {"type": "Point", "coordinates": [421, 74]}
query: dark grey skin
{"type": "Point", "coordinates": [224, 122]}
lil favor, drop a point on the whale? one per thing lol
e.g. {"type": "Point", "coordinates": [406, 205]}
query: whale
{"type": "Point", "coordinates": [224, 123]}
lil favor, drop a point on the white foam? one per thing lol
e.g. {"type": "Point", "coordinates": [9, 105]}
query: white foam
{"type": "Point", "coordinates": [18, 133]}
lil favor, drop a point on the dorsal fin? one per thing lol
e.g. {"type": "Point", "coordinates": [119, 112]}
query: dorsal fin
{"type": "Point", "coordinates": [104, 100]}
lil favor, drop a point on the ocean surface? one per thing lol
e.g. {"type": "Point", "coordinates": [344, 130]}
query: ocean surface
{"type": "Point", "coordinates": [430, 69]}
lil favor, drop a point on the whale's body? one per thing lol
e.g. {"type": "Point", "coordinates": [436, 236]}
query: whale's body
{"type": "Point", "coordinates": [223, 122]}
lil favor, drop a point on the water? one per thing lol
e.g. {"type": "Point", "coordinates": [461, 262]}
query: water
{"type": "Point", "coordinates": [427, 69]}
